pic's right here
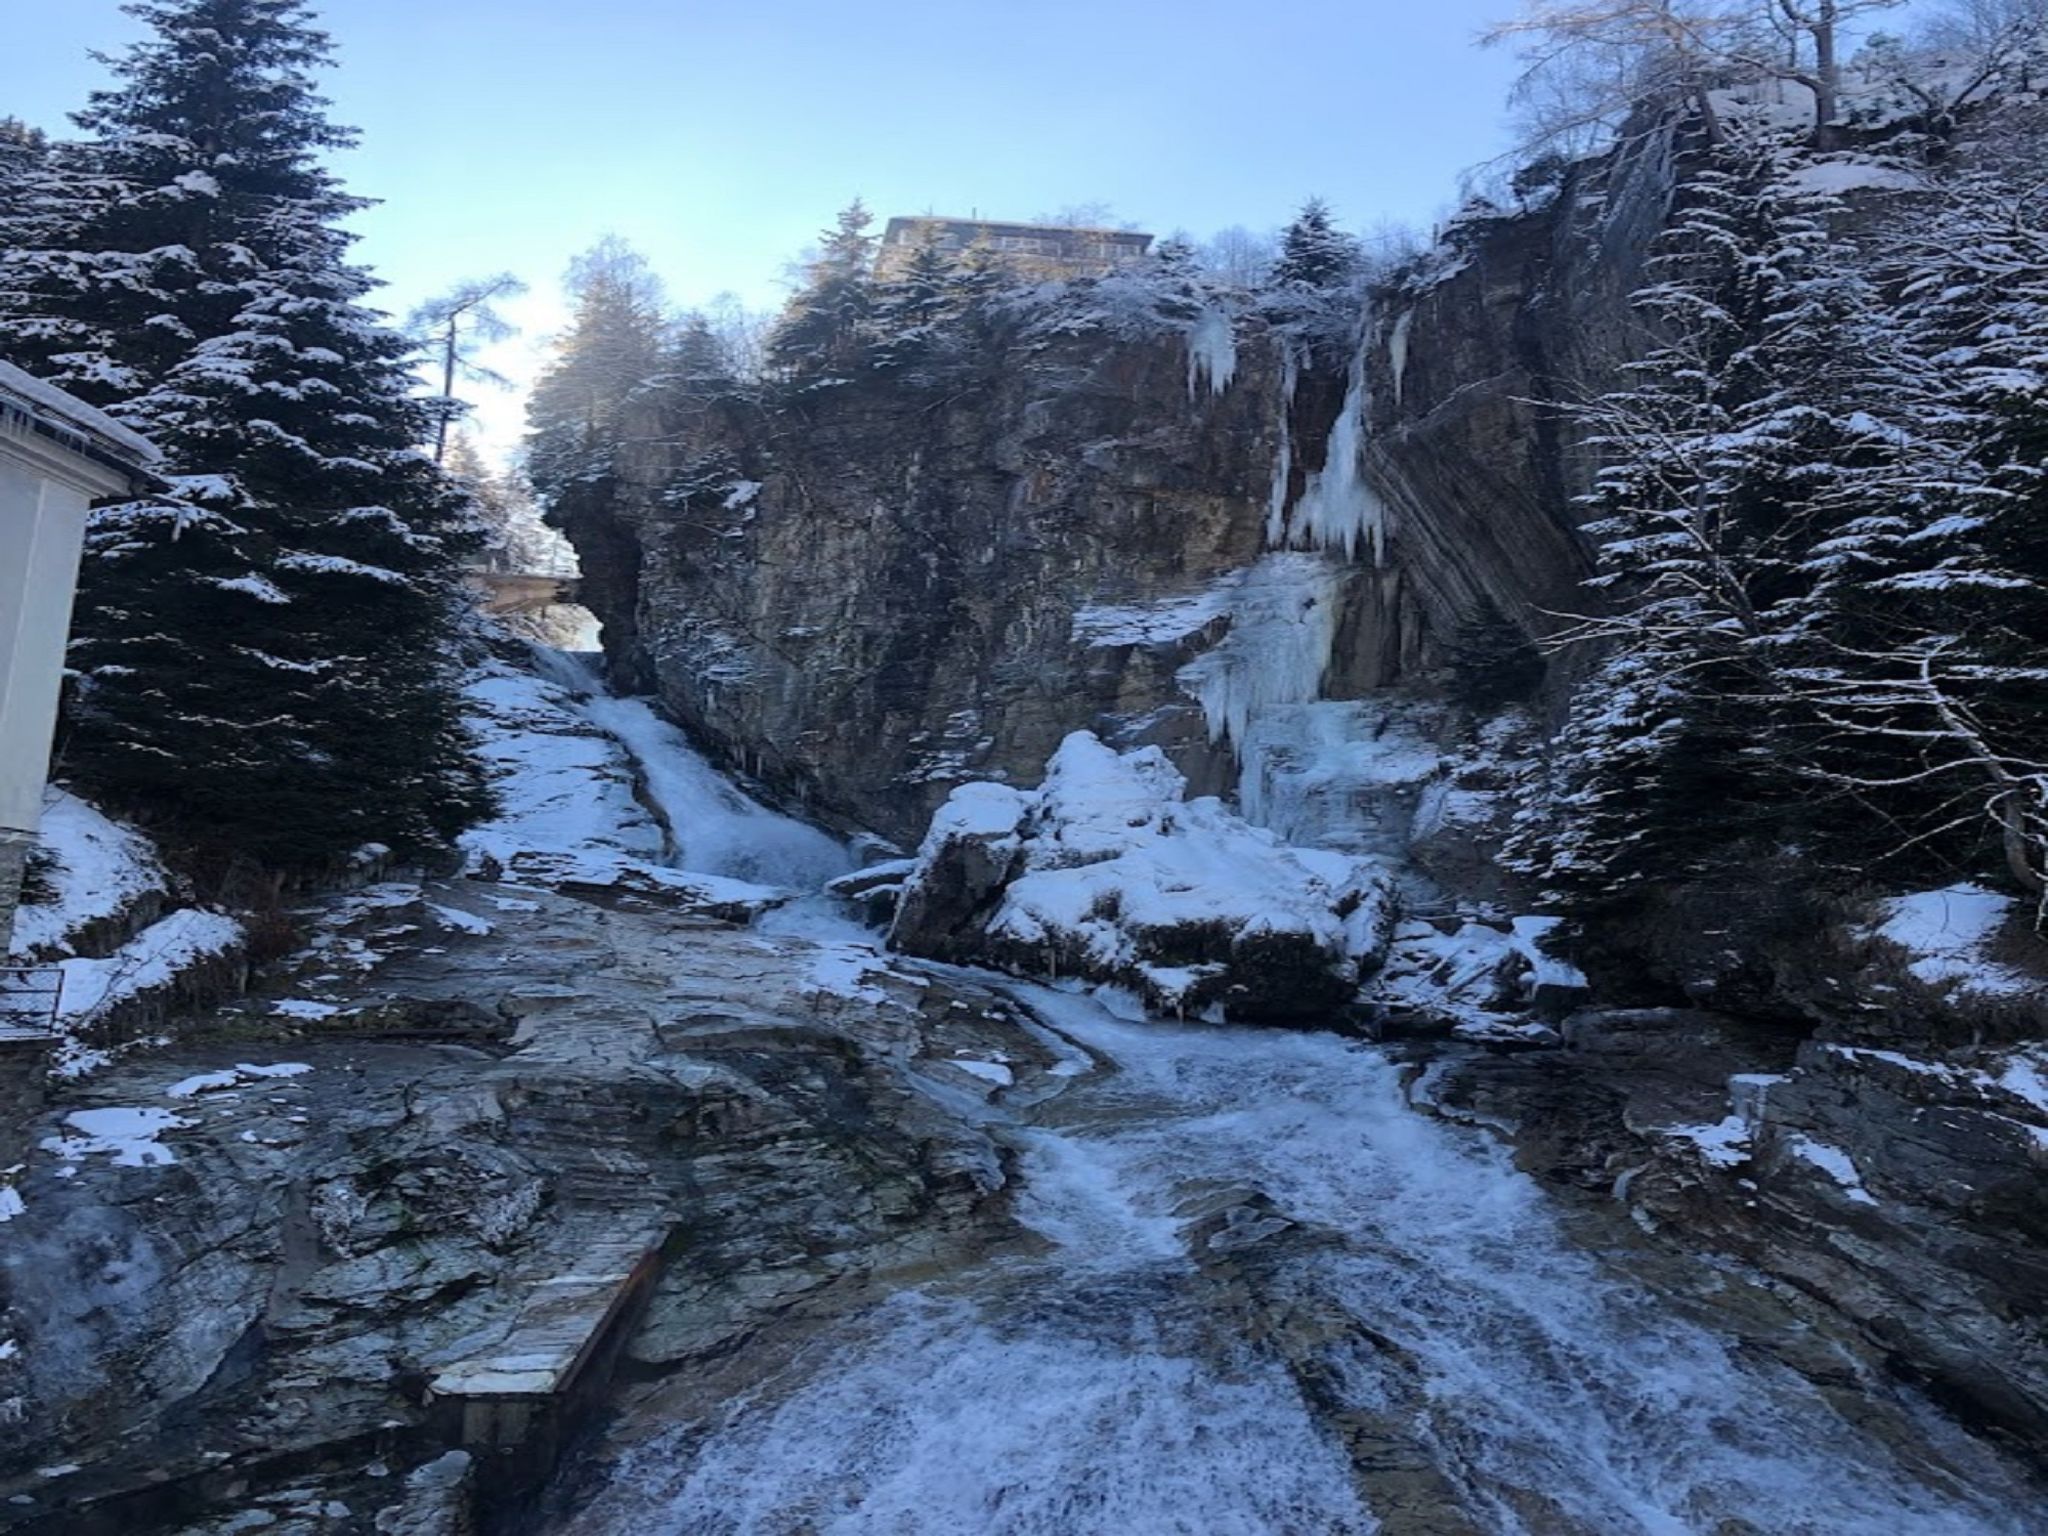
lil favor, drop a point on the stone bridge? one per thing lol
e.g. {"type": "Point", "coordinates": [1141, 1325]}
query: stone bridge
{"type": "Point", "coordinates": [509, 592]}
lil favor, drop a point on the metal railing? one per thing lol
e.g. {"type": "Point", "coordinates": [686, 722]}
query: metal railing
{"type": "Point", "coordinates": [30, 996]}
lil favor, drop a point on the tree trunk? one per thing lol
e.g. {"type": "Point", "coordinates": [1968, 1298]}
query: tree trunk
{"type": "Point", "coordinates": [447, 393]}
{"type": "Point", "coordinates": [1827, 70]}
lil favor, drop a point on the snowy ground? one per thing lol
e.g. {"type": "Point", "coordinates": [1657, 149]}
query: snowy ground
{"type": "Point", "coordinates": [97, 874]}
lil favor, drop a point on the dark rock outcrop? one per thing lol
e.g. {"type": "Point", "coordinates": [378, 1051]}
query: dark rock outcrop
{"type": "Point", "coordinates": [1904, 1191]}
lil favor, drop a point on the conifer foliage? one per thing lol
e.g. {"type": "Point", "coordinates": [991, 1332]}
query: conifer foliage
{"type": "Point", "coordinates": [1819, 524]}
{"type": "Point", "coordinates": [264, 653]}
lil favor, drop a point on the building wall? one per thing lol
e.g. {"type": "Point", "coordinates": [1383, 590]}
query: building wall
{"type": "Point", "coordinates": [1049, 251]}
{"type": "Point", "coordinates": [14, 851]}
{"type": "Point", "coordinates": [45, 490]}
{"type": "Point", "coordinates": [42, 526]}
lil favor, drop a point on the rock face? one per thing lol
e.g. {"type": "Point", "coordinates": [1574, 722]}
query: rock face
{"type": "Point", "coordinates": [879, 598]}
{"type": "Point", "coordinates": [1110, 873]}
{"type": "Point", "coordinates": [1905, 1191]}
{"type": "Point", "coordinates": [877, 591]}
{"type": "Point", "coordinates": [278, 1266]}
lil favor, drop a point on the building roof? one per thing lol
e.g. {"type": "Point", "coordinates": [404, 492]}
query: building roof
{"type": "Point", "coordinates": [102, 437]}
{"type": "Point", "coordinates": [1002, 226]}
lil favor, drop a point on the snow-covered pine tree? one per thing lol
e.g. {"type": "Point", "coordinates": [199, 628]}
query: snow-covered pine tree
{"type": "Point", "coordinates": [1314, 252]}
{"type": "Point", "coordinates": [1923, 637]}
{"type": "Point", "coordinates": [826, 331]}
{"type": "Point", "coordinates": [263, 657]}
{"type": "Point", "coordinates": [910, 313]}
{"type": "Point", "coordinates": [617, 340]}
{"type": "Point", "coordinates": [1723, 463]}
{"type": "Point", "coordinates": [1310, 295]}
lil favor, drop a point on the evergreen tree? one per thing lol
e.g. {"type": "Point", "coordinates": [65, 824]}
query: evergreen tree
{"type": "Point", "coordinates": [617, 338]}
{"type": "Point", "coordinates": [263, 655]}
{"type": "Point", "coordinates": [1923, 639]}
{"type": "Point", "coordinates": [698, 361]}
{"type": "Point", "coordinates": [827, 328]}
{"type": "Point", "coordinates": [1314, 253]}
{"type": "Point", "coordinates": [910, 314]}
{"type": "Point", "coordinates": [1310, 295]}
{"type": "Point", "coordinates": [1724, 461]}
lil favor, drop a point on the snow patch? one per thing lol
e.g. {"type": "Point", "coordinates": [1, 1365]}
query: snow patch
{"type": "Point", "coordinates": [1725, 1144]}
{"type": "Point", "coordinates": [155, 958]}
{"type": "Point", "coordinates": [1163, 621]}
{"type": "Point", "coordinates": [234, 1077]}
{"type": "Point", "coordinates": [128, 1136]}
{"type": "Point", "coordinates": [1835, 1163]}
{"type": "Point", "coordinates": [1831, 176]}
{"type": "Point", "coordinates": [1946, 932]}
{"type": "Point", "coordinates": [1109, 871]}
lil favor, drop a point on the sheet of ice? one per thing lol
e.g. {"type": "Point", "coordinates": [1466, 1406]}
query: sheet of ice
{"type": "Point", "coordinates": [11, 1206]}
{"type": "Point", "coordinates": [128, 1136]}
{"type": "Point", "coordinates": [1397, 352]}
{"type": "Point", "coordinates": [1339, 508]}
{"type": "Point", "coordinates": [562, 784]}
{"type": "Point", "coordinates": [716, 830]}
{"type": "Point", "coordinates": [100, 868]}
{"type": "Point", "coordinates": [1283, 460]}
{"type": "Point", "coordinates": [1336, 774]}
{"type": "Point", "coordinates": [1946, 931]}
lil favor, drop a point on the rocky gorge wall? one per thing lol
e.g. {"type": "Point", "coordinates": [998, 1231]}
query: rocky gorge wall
{"type": "Point", "coordinates": [877, 590]}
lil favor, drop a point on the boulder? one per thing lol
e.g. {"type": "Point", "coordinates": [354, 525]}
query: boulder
{"type": "Point", "coordinates": [1110, 873]}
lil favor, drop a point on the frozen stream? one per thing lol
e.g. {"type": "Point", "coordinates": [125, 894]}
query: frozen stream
{"type": "Point", "coordinates": [1269, 1297]}
{"type": "Point", "coordinates": [1504, 1380]}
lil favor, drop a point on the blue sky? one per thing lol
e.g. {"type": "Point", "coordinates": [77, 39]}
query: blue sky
{"type": "Point", "coordinates": [720, 137]}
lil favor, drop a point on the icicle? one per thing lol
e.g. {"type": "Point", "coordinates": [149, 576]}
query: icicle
{"type": "Point", "coordinates": [1283, 628]}
{"type": "Point", "coordinates": [1283, 465]}
{"type": "Point", "coordinates": [1397, 351]}
{"type": "Point", "coordinates": [1338, 508]}
{"type": "Point", "coordinates": [1212, 352]}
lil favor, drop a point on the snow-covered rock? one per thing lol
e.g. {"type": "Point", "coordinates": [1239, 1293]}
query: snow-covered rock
{"type": "Point", "coordinates": [96, 875]}
{"type": "Point", "coordinates": [1108, 872]}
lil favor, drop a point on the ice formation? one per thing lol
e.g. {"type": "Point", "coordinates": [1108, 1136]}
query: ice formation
{"type": "Point", "coordinates": [1212, 353]}
{"type": "Point", "coordinates": [1283, 627]}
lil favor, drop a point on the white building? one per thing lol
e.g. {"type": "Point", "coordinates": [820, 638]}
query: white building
{"type": "Point", "coordinates": [57, 456]}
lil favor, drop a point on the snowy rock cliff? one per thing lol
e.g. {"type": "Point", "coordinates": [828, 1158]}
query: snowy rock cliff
{"type": "Point", "coordinates": [879, 591]}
